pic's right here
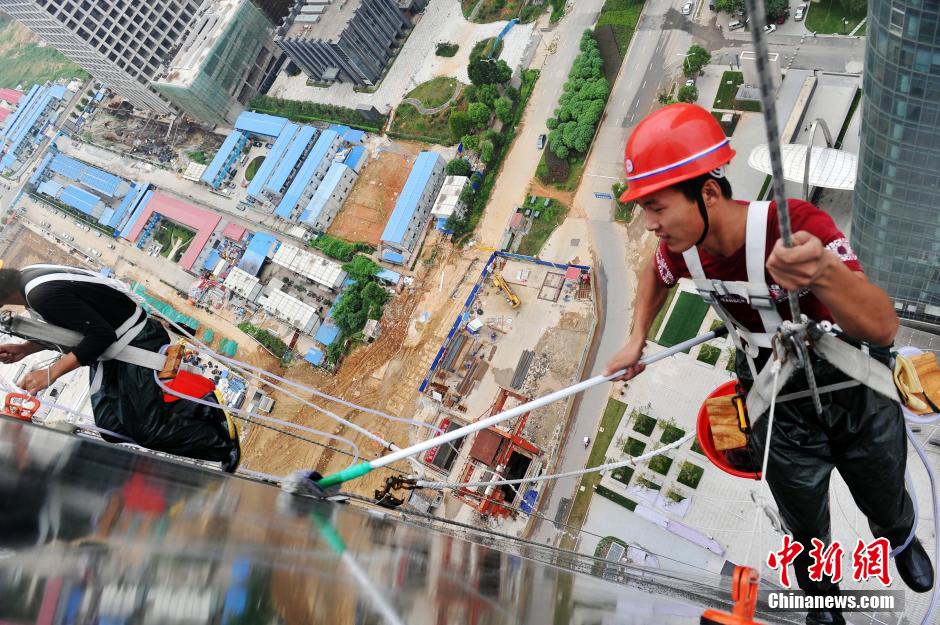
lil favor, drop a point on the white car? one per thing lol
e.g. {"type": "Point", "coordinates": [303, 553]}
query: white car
{"type": "Point", "coordinates": [690, 82]}
{"type": "Point", "coordinates": [687, 8]}
{"type": "Point", "coordinates": [769, 28]}
{"type": "Point", "coordinates": [800, 13]}
{"type": "Point", "coordinates": [94, 251]}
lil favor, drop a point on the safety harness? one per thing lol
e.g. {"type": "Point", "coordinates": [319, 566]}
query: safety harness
{"type": "Point", "coordinates": [855, 362]}
{"type": "Point", "coordinates": [167, 365]}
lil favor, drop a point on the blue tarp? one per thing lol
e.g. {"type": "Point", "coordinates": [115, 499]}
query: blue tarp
{"type": "Point", "coordinates": [327, 334]}
{"type": "Point", "coordinates": [314, 356]}
{"type": "Point", "coordinates": [279, 178]}
{"type": "Point", "coordinates": [393, 257]}
{"type": "Point", "coordinates": [528, 501]}
{"type": "Point", "coordinates": [322, 147]}
{"type": "Point", "coordinates": [256, 252]}
{"type": "Point", "coordinates": [260, 124]}
{"type": "Point", "coordinates": [79, 199]}
{"type": "Point", "coordinates": [407, 203]}
{"type": "Point", "coordinates": [211, 260]}
{"type": "Point", "coordinates": [272, 159]}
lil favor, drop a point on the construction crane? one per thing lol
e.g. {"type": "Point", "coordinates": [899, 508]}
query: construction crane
{"type": "Point", "coordinates": [502, 284]}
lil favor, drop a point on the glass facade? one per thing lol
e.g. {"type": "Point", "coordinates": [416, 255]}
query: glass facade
{"type": "Point", "coordinates": [896, 221]}
{"type": "Point", "coordinates": [230, 72]}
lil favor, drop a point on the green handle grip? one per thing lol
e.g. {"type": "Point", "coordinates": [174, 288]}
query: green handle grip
{"type": "Point", "coordinates": [347, 474]}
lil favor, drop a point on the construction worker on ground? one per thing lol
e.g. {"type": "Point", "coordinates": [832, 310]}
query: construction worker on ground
{"type": "Point", "coordinates": [675, 166]}
{"type": "Point", "coordinates": [126, 398]}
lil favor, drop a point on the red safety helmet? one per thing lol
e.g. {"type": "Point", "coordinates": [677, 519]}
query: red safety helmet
{"type": "Point", "coordinates": [678, 142]}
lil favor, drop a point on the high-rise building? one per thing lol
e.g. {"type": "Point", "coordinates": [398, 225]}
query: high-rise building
{"type": "Point", "coordinates": [351, 41]}
{"type": "Point", "coordinates": [120, 42]}
{"type": "Point", "coordinates": [222, 62]}
{"type": "Point", "coordinates": [896, 223]}
{"type": "Point", "coordinates": [276, 10]}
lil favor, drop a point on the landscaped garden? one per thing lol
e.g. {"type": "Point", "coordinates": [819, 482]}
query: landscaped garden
{"type": "Point", "coordinates": [690, 474]}
{"type": "Point", "coordinates": [685, 320]}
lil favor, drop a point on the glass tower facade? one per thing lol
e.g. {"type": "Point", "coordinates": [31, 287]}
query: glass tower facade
{"type": "Point", "coordinates": [896, 220]}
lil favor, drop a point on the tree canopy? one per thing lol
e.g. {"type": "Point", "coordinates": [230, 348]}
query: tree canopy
{"type": "Point", "coordinates": [361, 268]}
{"type": "Point", "coordinates": [460, 124]}
{"type": "Point", "coordinates": [687, 93]}
{"type": "Point", "coordinates": [479, 114]}
{"type": "Point", "coordinates": [582, 102]}
{"type": "Point", "coordinates": [458, 167]}
{"type": "Point", "coordinates": [503, 107]}
{"type": "Point", "coordinates": [488, 71]}
{"type": "Point", "coordinates": [697, 58]}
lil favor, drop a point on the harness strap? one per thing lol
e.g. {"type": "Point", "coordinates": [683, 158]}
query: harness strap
{"type": "Point", "coordinates": [755, 255]}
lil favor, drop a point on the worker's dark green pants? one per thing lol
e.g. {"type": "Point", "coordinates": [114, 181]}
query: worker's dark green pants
{"type": "Point", "coordinates": [860, 433]}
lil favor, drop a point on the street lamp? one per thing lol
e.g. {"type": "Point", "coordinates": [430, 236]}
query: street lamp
{"type": "Point", "coordinates": [845, 25]}
{"type": "Point", "coordinates": [685, 62]}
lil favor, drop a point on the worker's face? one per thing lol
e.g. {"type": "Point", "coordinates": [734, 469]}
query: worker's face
{"type": "Point", "coordinates": [673, 218]}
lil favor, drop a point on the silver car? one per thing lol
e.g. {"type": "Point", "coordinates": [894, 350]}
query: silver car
{"type": "Point", "coordinates": [687, 8]}
{"type": "Point", "coordinates": [800, 13]}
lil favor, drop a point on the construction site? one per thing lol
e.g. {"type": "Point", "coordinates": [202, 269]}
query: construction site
{"type": "Point", "coordinates": [524, 332]}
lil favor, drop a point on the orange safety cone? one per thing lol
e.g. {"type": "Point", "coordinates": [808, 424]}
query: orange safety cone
{"type": "Point", "coordinates": [744, 594]}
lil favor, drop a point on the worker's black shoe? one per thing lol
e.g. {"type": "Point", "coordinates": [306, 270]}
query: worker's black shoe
{"type": "Point", "coordinates": [914, 566]}
{"type": "Point", "coordinates": [230, 464]}
{"type": "Point", "coordinates": [825, 617]}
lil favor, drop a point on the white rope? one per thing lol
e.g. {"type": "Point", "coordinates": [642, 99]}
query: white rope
{"type": "Point", "coordinates": [555, 476]}
{"type": "Point", "coordinates": [758, 522]}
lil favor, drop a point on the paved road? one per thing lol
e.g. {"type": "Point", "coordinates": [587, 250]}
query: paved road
{"type": "Point", "coordinates": [655, 53]}
{"type": "Point", "coordinates": [523, 158]}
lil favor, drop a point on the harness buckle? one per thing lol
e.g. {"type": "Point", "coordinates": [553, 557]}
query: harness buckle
{"type": "Point", "coordinates": [720, 288]}
{"type": "Point", "coordinates": [762, 302]}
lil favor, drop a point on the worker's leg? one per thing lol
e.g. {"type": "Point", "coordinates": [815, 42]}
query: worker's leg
{"type": "Point", "coordinates": [870, 450]}
{"type": "Point", "coordinates": [798, 470]}
{"type": "Point", "coordinates": [130, 397]}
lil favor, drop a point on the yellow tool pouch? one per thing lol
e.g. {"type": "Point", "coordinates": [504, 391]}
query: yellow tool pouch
{"type": "Point", "coordinates": [918, 382]}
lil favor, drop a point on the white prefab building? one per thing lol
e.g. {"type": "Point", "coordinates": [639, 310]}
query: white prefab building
{"type": "Point", "coordinates": [243, 284]}
{"type": "Point", "coordinates": [406, 225]}
{"type": "Point", "coordinates": [448, 200]}
{"type": "Point", "coordinates": [329, 197]}
{"type": "Point", "coordinates": [290, 310]}
{"type": "Point", "coordinates": [324, 272]}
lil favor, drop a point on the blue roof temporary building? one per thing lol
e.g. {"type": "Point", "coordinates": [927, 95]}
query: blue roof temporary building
{"type": "Point", "coordinates": [136, 212]}
{"type": "Point", "coordinates": [327, 334]}
{"type": "Point", "coordinates": [407, 202]}
{"type": "Point", "coordinates": [50, 188]}
{"type": "Point", "coordinates": [323, 145]}
{"type": "Point", "coordinates": [211, 260]}
{"type": "Point", "coordinates": [24, 121]}
{"type": "Point", "coordinates": [79, 199]}
{"type": "Point", "coordinates": [284, 168]}
{"type": "Point", "coordinates": [258, 249]}
{"type": "Point", "coordinates": [324, 191]}
{"type": "Point", "coordinates": [41, 169]}
{"type": "Point", "coordinates": [272, 160]}
{"type": "Point", "coordinates": [314, 356]}
{"type": "Point", "coordinates": [356, 158]}
{"type": "Point", "coordinates": [393, 257]}
{"type": "Point", "coordinates": [387, 275]}
{"type": "Point", "coordinates": [260, 124]}
{"type": "Point", "coordinates": [130, 202]}
{"type": "Point", "coordinates": [223, 160]}
{"type": "Point", "coordinates": [92, 177]}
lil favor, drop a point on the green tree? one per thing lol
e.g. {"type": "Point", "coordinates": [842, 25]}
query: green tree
{"type": "Point", "coordinates": [777, 8]}
{"type": "Point", "coordinates": [482, 71]}
{"type": "Point", "coordinates": [458, 167]}
{"type": "Point", "coordinates": [487, 151]}
{"type": "Point", "coordinates": [459, 123]}
{"type": "Point", "coordinates": [470, 93]}
{"type": "Point", "coordinates": [551, 123]}
{"type": "Point", "coordinates": [512, 93]}
{"type": "Point", "coordinates": [503, 108]}
{"type": "Point", "coordinates": [479, 114]}
{"type": "Point", "coordinates": [487, 94]}
{"type": "Point", "coordinates": [361, 268]}
{"type": "Point", "coordinates": [470, 142]}
{"type": "Point", "coordinates": [687, 93]}
{"type": "Point", "coordinates": [726, 6]}
{"type": "Point", "coordinates": [502, 73]}
{"type": "Point", "coordinates": [698, 57]}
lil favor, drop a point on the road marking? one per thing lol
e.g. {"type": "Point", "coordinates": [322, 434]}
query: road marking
{"type": "Point", "coordinates": [643, 86]}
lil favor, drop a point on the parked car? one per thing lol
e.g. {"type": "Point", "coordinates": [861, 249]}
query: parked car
{"type": "Point", "coordinates": [800, 13]}
{"type": "Point", "coordinates": [769, 28]}
{"type": "Point", "coordinates": [687, 8]}
{"type": "Point", "coordinates": [110, 246]}
{"type": "Point", "coordinates": [94, 251]}
{"type": "Point", "coordinates": [690, 82]}
{"type": "Point", "coordinates": [736, 24]}
{"type": "Point", "coordinates": [541, 142]}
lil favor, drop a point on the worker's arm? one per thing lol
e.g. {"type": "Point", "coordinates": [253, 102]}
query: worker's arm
{"type": "Point", "coordinates": [39, 380]}
{"type": "Point", "coordinates": [15, 352]}
{"type": "Point", "coordinates": [650, 296]}
{"type": "Point", "coordinates": [863, 310]}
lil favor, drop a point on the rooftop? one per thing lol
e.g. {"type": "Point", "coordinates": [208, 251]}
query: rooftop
{"type": "Point", "coordinates": [207, 27]}
{"type": "Point", "coordinates": [421, 172]}
{"type": "Point", "coordinates": [322, 19]}
{"type": "Point", "coordinates": [260, 124]}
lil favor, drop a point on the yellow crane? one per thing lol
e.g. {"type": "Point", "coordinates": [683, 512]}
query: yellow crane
{"type": "Point", "coordinates": [502, 284]}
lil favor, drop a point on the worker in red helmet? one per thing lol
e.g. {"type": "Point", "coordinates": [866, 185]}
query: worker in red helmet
{"type": "Point", "coordinates": [675, 166]}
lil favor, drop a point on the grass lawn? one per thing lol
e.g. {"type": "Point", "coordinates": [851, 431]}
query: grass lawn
{"type": "Point", "coordinates": [434, 92]}
{"type": "Point", "coordinates": [825, 17]}
{"type": "Point", "coordinates": [730, 81]}
{"type": "Point", "coordinates": [252, 168]}
{"type": "Point", "coordinates": [613, 413]}
{"type": "Point", "coordinates": [658, 321]}
{"type": "Point", "coordinates": [550, 217]}
{"type": "Point", "coordinates": [492, 10]}
{"type": "Point", "coordinates": [621, 16]}
{"type": "Point", "coordinates": [685, 320]}
{"type": "Point", "coordinates": [411, 124]}
{"type": "Point", "coordinates": [617, 498]}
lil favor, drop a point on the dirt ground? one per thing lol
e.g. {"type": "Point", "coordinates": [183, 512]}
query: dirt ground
{"type": "Point", "coordinates": [373, 197]}
{"type": "Point", "coordinates": [21, 246]}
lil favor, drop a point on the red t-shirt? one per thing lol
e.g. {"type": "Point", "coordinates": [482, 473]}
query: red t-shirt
{"type": "Point", "coordinates": [803, 216]}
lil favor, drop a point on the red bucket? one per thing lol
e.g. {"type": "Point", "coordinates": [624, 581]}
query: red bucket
{"type": "Point", "coordinates": [703, 431]}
